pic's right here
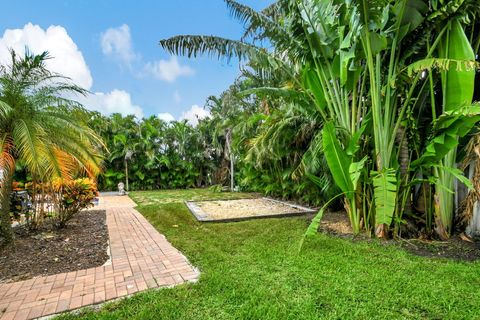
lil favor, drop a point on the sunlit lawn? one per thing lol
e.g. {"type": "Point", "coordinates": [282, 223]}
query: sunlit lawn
{"type": "Point", "coordinates": [251, 270]}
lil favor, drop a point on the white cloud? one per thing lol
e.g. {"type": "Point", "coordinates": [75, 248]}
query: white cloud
{"type": "Point", "coordinates": [68, 59]}
{"type": "Point", "coordinates": [116, 101]}
{"type": "Point", "coordinates": [177, 97]}
{"type": "Point", "coordinates": [117, 43]}
{"type": "Point", "coordinates": [168, 70]}
{"type": "Point", "coordinates": [194, 114]}
{"type": "Point", "coordinates": [166, 116]}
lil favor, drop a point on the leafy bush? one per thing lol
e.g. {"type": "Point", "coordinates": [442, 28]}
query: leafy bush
{"type": "Point", "coordinates": [57, 201]}
{"type": "Point", "coordinates": [71, 197]}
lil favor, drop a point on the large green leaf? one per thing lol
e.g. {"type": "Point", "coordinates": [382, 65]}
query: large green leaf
{"type": "Point", "coordinates": [385, 191]}
{"type": "Point", "coordinates": [313, 84]}
{"type": "Point", "coordinates": [355, 170]}
{"type": "Point", "coordinates": [458, 85]}
{"type": "Point", "coordinates": [378, 42]}
{"type": "Point", "coordinates": [413, 12]}
{"type": "Point", "coordinates": [458, 174]}
{"type": "Point", "coordinates": [442, 64]}
{"type": "Point", "coordinates": [315, 224]}
{"type": "Point", "coordinates": [337, 159]}
{"type": "Point", "coordinates": [449, 127]}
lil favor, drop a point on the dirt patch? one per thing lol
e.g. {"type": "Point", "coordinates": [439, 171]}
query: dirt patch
{"type": "Point", "coordinates": [243, 208]}
{"type": "Point", "coordinates": [337, 224]}
{"type": "Point", "coordinates": [455, 248]}
{"type": "Point", "coordinates": [82, 244]}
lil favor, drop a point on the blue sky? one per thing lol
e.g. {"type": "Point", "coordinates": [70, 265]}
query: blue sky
{"type": "Point", "coordinates": [111, 47]}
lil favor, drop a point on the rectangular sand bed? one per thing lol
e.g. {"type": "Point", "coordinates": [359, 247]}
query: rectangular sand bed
{"type": "Point", "coordinates": [242, 209]}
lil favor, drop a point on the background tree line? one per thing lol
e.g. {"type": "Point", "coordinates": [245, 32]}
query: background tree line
{"type": "Point", "coordinates": [166, 155]}
{"type": "Point", "coordinates": [365, 103]}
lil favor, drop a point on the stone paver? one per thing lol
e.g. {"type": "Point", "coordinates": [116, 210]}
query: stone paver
{"type": "Point", "coordinates": [141, 258]}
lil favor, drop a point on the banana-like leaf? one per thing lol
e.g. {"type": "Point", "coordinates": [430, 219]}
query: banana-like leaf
{"type": "Point", "coordinates": [458, 174]}
{"type": "Point", "coordinates": [385, 192]}
{"type": "Point", "coordinates": [337, 159]}
{"type": "Point", "coordinates": [378, 42]}
{"type": "Point", "coordinates": [456, 118]}
{"type": "Point", "coordinates": [355, 171]}
{"type": "Point", "coordinates": [312, 228]}
{"type": "Point", "coordinates": [413, 14]}
{"type": "Point", "coordinates": [312, 83]}
{"type": "Point", "coordinates": [315, 224]}
{"type": "Point", "coordinates": [458, 85]}
{"type": "Point", "coordinates": [450, 126]}
{"type": "Point", "coordinates": [353, 144]}
{"type": "Point", "coordinates": [442, 64]}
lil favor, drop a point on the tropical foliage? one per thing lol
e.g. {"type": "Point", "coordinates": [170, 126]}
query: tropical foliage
{"type": "Point", "coordinates": [155, 154]}
{"type": "Point", "coordinates": [39, 133]}
{"type": "Point", "coordinates": [379, 91]}
{"type": "Point", "coordinates": [238, 135]}
{"type": "Point", "coordinates": [356, 103]}
{"type": "Point", "coordinates": [69, 198]}
{"type": "Point", "coordinates": [55, 202]}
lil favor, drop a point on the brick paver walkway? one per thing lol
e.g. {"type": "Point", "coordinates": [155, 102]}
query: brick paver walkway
{"type": "Point", "coordinates": [141, 258]}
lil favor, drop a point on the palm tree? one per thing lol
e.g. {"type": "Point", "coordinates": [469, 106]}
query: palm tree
{"type": "Point", "coordinates": [38, 128]}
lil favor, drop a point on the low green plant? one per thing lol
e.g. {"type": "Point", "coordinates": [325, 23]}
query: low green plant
{"type": "Point", "coordinates": [70, 197]}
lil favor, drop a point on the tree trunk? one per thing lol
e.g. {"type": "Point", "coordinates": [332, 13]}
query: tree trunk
{"type": "Point", "coordinates": [6, 232]}
{"type": "Point", "coordinates": [404, 202]}
{"type": "Point", "coordinates": [126, 175]}
{"type": "Point", "coordinates": [230, 155]}
{"type": "Point", "coordinates": [440, 228]}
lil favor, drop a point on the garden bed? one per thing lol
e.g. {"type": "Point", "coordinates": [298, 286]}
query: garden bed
{"type": "Point", "coordinates": [337, 224]}
{"type": "Point", "coordinates": [82, 244]}
{"type": "Point", "coordinates": [454, 249]}
{"type": "Point", "coordinates": [242, 209]}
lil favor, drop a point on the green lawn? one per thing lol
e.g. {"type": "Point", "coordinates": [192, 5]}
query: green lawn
{"type": "Point", "coordinates": [250, 270]}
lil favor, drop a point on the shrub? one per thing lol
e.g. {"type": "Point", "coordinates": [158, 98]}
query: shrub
{"type": "Point", "coordinates": [57, 201]}
{"type": "Point", "coordinates": [71, 197]}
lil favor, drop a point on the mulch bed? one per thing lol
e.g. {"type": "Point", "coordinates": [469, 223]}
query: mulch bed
{"type": "Point", "coordinates": [80, 245]}
{"type": "Point", "coordinates": [456, 248]}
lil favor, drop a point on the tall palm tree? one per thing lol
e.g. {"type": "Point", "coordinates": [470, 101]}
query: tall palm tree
{"type": "Point", "coordinates": [38, 128]}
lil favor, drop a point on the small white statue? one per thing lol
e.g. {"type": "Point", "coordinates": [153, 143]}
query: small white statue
{"type": "Point", "coordinates": [121, 189]}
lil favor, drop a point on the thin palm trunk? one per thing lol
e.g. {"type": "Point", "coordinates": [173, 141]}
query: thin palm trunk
{"type": "Point", "coordinates": [126, 175]}
{"type": "Point", "coordinates": [230, 155]}
{"type": "Point", "coordinates": [6, 231]}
